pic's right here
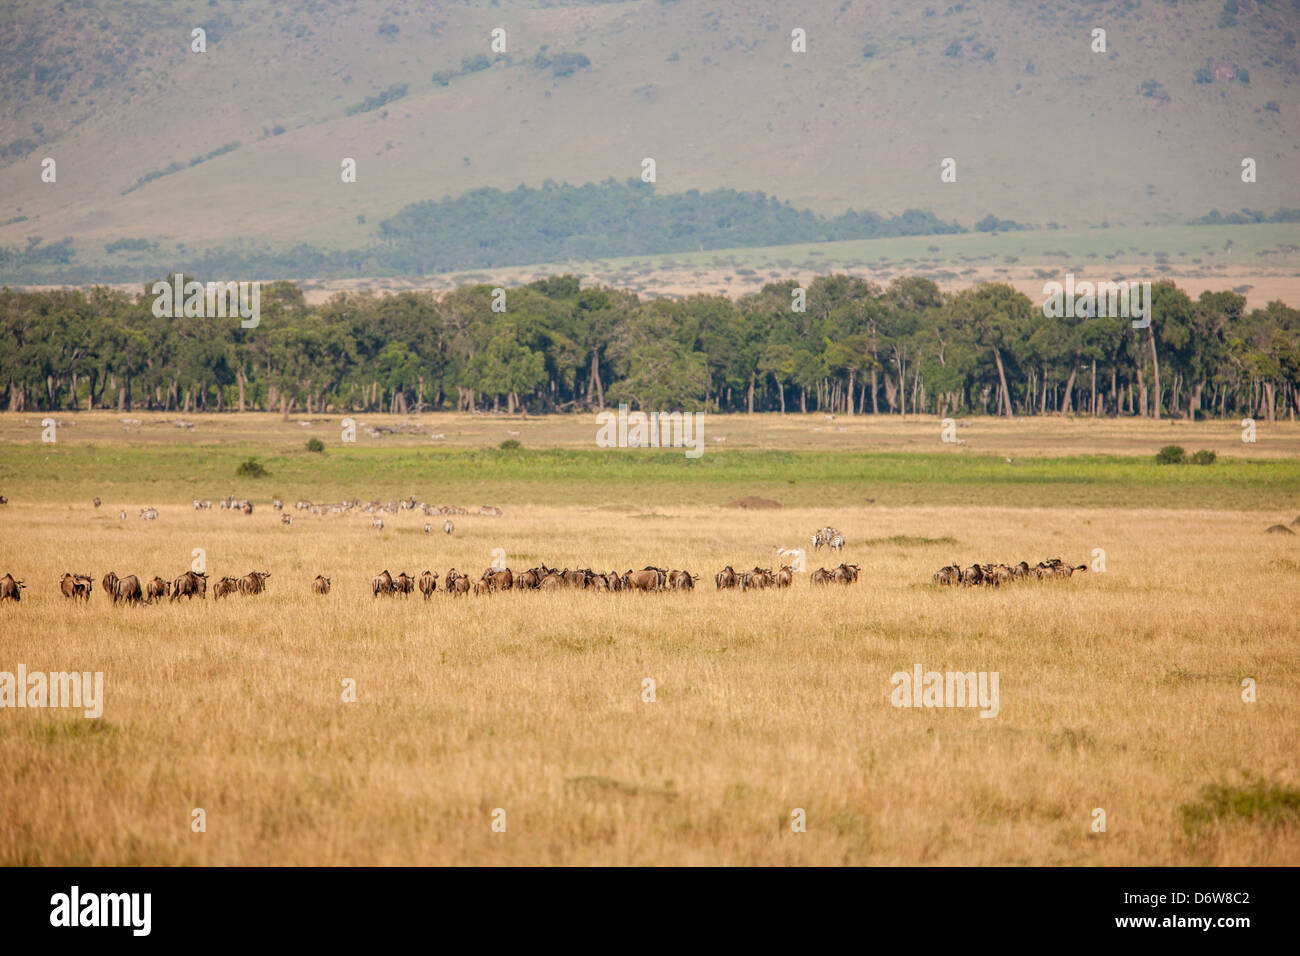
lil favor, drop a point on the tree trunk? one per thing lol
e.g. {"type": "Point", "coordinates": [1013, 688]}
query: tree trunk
{"type": "Point", "coordinates": [1155, 368]}
{"type": "Point", "coordinates": [1002, 376]}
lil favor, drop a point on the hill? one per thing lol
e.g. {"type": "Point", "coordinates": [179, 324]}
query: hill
{"type": "Point", "coordinates": [244, 143]}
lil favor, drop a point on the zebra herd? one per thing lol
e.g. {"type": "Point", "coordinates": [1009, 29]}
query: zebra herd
{"type": "Point", "coordinates": [828, 537]}
{"type": "Point", "coordinates": [996, 575]}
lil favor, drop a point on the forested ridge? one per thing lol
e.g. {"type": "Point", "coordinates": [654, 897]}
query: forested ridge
{"type": "Point", "coordinates": [856, 347]}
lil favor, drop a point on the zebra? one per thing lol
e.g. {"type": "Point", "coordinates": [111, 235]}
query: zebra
{"type": "Point", "coordinates": [286, 519]}
{"type": "Point", "coordinates": [148, 514]}
{"type": "Point", "coordinates": [448, 527]}
{"type": "Point", "coordinates": [837, 542]}
{"type": "Point", "coordinates": [428, 529]}
{"type": "Point", "coordinates": [377, 523]}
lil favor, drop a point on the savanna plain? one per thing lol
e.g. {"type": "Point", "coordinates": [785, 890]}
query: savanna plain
{"type": "Point", "coordinates": [1120, 689]}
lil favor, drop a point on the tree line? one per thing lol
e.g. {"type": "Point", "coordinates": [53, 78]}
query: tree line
{"type": "Point", "coordinates": [552, 346]}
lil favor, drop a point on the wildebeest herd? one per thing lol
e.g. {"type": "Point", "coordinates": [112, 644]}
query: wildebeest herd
{"type": "Point", "coordinates": [541, 578]}
{"type": "Point", "coordinates": [996, 575]}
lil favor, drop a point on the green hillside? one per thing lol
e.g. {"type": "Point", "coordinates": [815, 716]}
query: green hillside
{"type": "Point", "coordinates": [241, 146]}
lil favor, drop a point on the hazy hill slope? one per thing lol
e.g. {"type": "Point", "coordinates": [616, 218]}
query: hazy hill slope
{"type": "Point", "coordinates": [1042, 128]}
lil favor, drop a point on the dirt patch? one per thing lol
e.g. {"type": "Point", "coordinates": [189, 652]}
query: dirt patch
{"type": "Point", "coordinates": [755, 502]}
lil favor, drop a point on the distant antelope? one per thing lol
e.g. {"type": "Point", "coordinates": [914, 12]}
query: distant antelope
{"type": "Point", "coordinates": [321, 585]}
{"type": "Point", "coordinates": [286, 519]}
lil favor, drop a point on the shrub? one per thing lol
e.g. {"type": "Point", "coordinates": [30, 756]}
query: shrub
{"type": "Point", "coordinates": [510, 444]}
{"type": "Point", "coordinates": [1203, 457]}
{"type": "Point", "coordinates": [1171, 455]}
{"type": "Point", "coordinates": [315, 444]}
{"type": "Point", "coordinates": [251, 468]}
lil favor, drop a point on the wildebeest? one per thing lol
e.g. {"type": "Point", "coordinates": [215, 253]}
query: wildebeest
{"type": "Point", "coordinates": [97, 502]}
{"type": "Point", "coordinates": [128, 589]}
{"type": "Point", "coordinates": [820, 576]}
{"type": "Point", "coordinates": [226, 585]}
{"type": "Point", "coordinates": [726, 578]}
{"type": "Point", "coordinates": [949, 575]}
{"type": "Point", "coordinates": [499, 579]}
{"type": "Point", "coordinates": [286, 519]}
{"type": "Point", "coordinates": [457, 584]}
{"type": "Point", "coordinates": [845, 574]}
{"type": "Point", "coordinates": [428, 583]}
{"type": "Point", "coordinates": [254, 582]}
{"type": "Point", "coordinates": [109, 584]}
{"type": "Point", "coordinates": [321, 585]}
{"type": "Point", "coordinates": [644, 580]}
{"type": "Point", "coordinates": [11, 590]}
{"type": "Point", "coordinates": [784, 576]}
{"type": "Point", "coordinates": [68, 585]}
{"type": "Point", "coordinates": [248, 508]}
{"type": "Point", "coordinates": [403, 584]}
{"type": "Point", "coordinates": [682, 580]}
{"type": "Point", "coordinates": [758, 578]}
{"type": "Point", "coordinates": [382, 583]}
{"type": "Point", "coordinates": [189, 584]}
{"type": "Point", "coordinates": [157, 588]}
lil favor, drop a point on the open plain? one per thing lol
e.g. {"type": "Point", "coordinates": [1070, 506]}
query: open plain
{"type": "Point", "coordinates": [1121, 689]}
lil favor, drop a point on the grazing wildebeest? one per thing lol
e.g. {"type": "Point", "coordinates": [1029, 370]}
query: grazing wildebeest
{"type": "Point", "coordinates": [457, 584]}
{"type": "Point", "coordinates": [226, 585]}
{"type": "Point", "coordinates": [248, 508]}
{"type": "Point", "coordinates": [784, 576]}
{"type": "Point", "coordinates": [157, 588]}
{"type": "Point", "coordinates": [499, 580]}
{"type": "Point", "coordinates": [428, 583]}
{"type": "Point", "coordinates": [683, 580]}
{"type": "Point", "coordinates": [254, 582]}
{"type": "Point", "coordinates": [757, 578]}
{"type": "Point", "coordinates": [972, 576]}
{"type": "Point", "coordinates": [382, 583]}
{"type": "Point", "coordinates": [820, 576]}
{"type": "Point", "coordinates": [528, 580]}
{"type": "Point", "coordinates": [83, 586]}
{"type": "Point", "coordinates": [321, 585]}
{"type": "Point", "coordinates": [11, 590]}
{"type": "Point", "coordinates": [726, 578]}
{"type": "Point", "coordinates": [109, 584]}
{"type": "Point", "coordinates": [403, 584]}
{"type": "Point", "coordinates": [68, 585]}
{"type": "Point", "coordinates": [128, 589]}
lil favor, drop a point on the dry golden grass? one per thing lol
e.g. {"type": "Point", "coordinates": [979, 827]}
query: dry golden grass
{"type": "Point", "coordinates": [1118, 690]}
